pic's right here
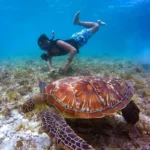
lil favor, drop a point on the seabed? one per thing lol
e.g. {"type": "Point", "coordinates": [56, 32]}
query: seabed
{"type": "Point", "coordinates": [19, 80]}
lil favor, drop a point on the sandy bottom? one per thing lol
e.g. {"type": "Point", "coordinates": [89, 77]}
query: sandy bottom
{"type": "Point", "coordinates": [19, 81]}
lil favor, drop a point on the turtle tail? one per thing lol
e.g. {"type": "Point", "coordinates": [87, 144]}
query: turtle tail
{"type": "Point", "coordinates": [60, 132]}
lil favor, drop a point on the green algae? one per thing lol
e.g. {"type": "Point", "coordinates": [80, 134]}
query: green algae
{"type": "Point", "coordinates": [12, 96]}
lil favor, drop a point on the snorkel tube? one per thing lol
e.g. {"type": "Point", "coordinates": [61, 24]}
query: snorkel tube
{"type": "Point", "coordinates": [53, 35]}
{"type": "Point", "coordinates": [49, 65]}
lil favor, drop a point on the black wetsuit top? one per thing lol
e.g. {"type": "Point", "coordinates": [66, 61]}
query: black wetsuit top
{"type": "Point", "coordinates": [61, 51]}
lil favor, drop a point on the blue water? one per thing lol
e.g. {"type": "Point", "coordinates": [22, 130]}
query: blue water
{"type": "Point", "coordinates": [127, 34]}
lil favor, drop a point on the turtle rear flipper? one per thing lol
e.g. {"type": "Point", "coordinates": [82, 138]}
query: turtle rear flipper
{"type": "Point", "coordinates": [131, 113]}
{"type": "Point", "coordinates": [61, 134]}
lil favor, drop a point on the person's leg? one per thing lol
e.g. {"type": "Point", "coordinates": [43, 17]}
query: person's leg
{"type": "Point", "coordinates": [93, 26]}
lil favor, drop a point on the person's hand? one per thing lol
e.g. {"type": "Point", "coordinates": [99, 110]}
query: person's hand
{"type": "Point", "coordinates": [65, 67]}
{"type": "Point", "coordinates": [44, 56]}
{"type": "Point", "coordinates": [52, 71]}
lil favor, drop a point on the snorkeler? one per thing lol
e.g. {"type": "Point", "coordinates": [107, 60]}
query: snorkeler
{"type": "Point", "coordinates": [71, 46]}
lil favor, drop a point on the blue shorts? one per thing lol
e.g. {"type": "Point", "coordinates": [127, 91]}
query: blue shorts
{"type": "Point", "coordinates": [82, 37]}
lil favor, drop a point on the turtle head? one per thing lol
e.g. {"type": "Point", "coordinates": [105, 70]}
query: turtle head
{"type": "Point", "coordinates": [28, 106]}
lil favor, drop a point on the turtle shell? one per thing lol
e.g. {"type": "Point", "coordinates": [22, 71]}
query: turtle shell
{"type": "Point", "coordinates": [88, 97]}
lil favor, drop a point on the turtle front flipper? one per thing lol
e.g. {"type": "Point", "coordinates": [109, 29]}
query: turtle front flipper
{"type": "Point", "coordinates": [60, 132]}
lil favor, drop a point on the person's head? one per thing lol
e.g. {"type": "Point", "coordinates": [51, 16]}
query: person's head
{"type": "Point", "coordinates": [44, 42]}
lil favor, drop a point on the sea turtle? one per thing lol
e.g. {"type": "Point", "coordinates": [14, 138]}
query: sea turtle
{"type": "Point", "coordinates": [83, 97]}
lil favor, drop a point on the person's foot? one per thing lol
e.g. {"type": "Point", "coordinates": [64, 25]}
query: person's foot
{"type": "Point", "coordinates": [76, 18]}
{"type": "Point", "coordinates": [101, 23]}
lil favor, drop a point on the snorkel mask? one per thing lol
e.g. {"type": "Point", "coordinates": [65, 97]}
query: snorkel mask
{"type": "Point", "coordinates": [44, 42]}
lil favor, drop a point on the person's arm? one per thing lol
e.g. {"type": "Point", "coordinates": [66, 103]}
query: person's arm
{"type": "Point", "coordinates": [70, 49]}
{"type": "Point", "coordinates": [48, 60]}
{"type": "Point", "coordinates": [49, 63]}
